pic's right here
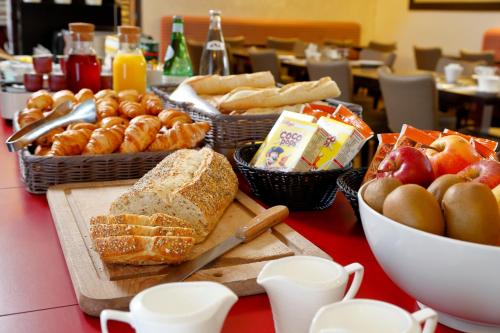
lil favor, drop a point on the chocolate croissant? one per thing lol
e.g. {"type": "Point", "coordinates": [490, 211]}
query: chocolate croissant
{"type": "Point", "coordinates": [140, 133]}
{"type": "Point", "coordinates": [70, 142]}
{"type": "Point", "coordinates": [131, 109]}
{"type": "Point", "coordinates": [170, 117]}
{"type": "Point", "coordinates": [180, 136]}
{"type": "Point", "coordinates": [105, 140]}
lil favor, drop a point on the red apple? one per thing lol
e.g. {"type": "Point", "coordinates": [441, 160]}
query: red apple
{"type": "Point", "coordinates": [484, 171]}
{"type": "Point", "coordinates": [407, 164]}
{"type": "Point", "coordinates": [451, 154]}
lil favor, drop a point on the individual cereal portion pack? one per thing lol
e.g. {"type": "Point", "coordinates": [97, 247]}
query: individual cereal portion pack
{"type": "Point", "coordinates": [386, 142]}
{"type": "Point", "coordinates": [414, 137]}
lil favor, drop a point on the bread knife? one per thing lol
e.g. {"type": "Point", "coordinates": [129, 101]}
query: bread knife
{"type": "Point", "coordinates": [258, 225]}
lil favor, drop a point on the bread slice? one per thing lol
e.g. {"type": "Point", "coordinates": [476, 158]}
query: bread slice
{"type": "Point", "coordinates": [107, 230]}
{"type": "Point", "coordinates": [194, 185]}
{"type": "Point", "coordinates": [144, 250]}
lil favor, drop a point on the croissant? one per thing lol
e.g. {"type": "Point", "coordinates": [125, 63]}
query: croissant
{"type": "Point", "coordinates": [140, 133]}
{"type": "Point", "coordinates": [111, 121]}
{"type": "Point", "coordinates": [40, 100]}
{"type": "Point", "coordinates": [106, 107]}
{"type": "Point", "coordinates": [84, 94]}
{"type": "Point", "coordinates": [70, 142]}
{"type": "Point", "coordinates": [62, 97]}
{"type": "Point", "coordinates": [169, 117]}
{"type": "Point", "coordinates": [41, 150]}
{"type": "Point", "coordinates": [152, 104]}
{"type": "Point", "coordinates": [105, 140]}
{"type": "Point", "coordinates": [128, 95]}
{"type": "Point", "coordinates": [180, 136]}
{"type": "Point", "coordinates": [48, 138]}
{"type": "Point", "coordinates": [29, 116]}
{"type": "Point", "coordinates": [131, 109]}
{"type": "Point", "coordinates": [76, 126]}
{"type": "Point", "coordinates": [106, 93]}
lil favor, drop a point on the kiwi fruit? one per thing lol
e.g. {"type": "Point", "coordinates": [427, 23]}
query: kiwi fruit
{"type": "Point", "coordinates": [471, 213]}
{"type": "Point", "coordinates": [441, 184]}
{"type": "Point", "coordinates": [377, 191]}
{"type": "Point", "coordinates": [414, 206]}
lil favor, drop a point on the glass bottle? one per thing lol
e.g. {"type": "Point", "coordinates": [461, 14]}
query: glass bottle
{"type": "Point", "coordinates": [177, 65]}
{"type": "Point", "coordinates": [82, 67]}
{"type": "Point", "coordinates": [214, 59]}
{"type": "Point", "coordinates": [129, 64]}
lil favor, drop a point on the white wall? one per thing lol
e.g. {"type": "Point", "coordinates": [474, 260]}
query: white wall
{"type": "Point", "coordinates": [452, 30]}
{"type": "Point", "coordinates": [322, 10]}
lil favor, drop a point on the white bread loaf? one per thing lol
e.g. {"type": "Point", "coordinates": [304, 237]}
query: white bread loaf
{"type": "Point", "coordinates": [219, 85]}
{"type": "Point", "coordinates": [194, 185]}
{"type": "Point", "coordinates": [290, 94]}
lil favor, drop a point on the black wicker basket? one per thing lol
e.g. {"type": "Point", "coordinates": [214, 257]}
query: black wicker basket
{"type": "Point", "coordinates": [313, 190]}
{"type": "Point", "coordinates": [349, 183]}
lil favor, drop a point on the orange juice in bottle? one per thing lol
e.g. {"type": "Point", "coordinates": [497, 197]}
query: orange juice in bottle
{"type": "Point", "coordinates": [129, 65]}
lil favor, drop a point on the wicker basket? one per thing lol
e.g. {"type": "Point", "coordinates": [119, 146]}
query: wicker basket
{"type": "Point", "coordinates": [314, 190]}
{"type": "Point", "coordinates": [229, 132]}
{"type": "Point", "coordinates": [40, 172]}
{"type": "Point", "coordinates": [349, 183]}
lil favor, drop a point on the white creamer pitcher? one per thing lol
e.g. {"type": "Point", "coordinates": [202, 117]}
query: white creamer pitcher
{"type": "Point", "coordinates": [364, 315]}
{"type": "Point", "coordinates": [298, 286]}
{"type": "Point", "coordinates": [184, 307]}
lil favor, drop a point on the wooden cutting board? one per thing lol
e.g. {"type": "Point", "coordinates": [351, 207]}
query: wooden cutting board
{"type": "Point", "coordinates": [101, 286]}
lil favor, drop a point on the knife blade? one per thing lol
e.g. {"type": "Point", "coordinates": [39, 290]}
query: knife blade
{"type": "Point", "coordinates": [259, 224]}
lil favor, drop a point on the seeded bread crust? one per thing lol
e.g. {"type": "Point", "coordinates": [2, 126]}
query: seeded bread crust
{"type": "Point", "coordinates": [194, 185]}
{"type": "Point", "coordinates": [143, 250]}
{"type": "Point", "coordinates": [108, 230]}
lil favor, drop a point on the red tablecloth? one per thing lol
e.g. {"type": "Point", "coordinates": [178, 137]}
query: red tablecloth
{"type": "Point", "coordinates": [36, 294]}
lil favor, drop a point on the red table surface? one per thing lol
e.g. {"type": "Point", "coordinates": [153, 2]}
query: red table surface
{"type": "Point", "coordinates": [36, 290]}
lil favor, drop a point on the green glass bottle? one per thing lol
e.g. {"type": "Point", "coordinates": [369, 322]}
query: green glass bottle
{"type": "Point", "coordinates": [177, 65]}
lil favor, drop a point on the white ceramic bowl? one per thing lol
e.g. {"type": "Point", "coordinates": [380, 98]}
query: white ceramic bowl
{"type": "Point", "coordinates": [460, 280]}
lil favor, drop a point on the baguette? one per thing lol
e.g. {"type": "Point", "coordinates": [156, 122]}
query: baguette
{"type": "Point", "coordinates": [277, 110]}
{"type": "Point", "coordinates": [108, 230]}
{"type": "Point", "coordinates": [219, 85]}
{"type": "Point", "coordinates": [290, 94]}
{"type": "Point", "coordinates": [194, 185]}
{"type": "Point", "coordinates": [142, 250]}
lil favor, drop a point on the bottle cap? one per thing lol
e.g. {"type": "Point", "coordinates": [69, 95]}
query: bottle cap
{"type": "Point", "coordinates": [81, 31]}
{"type": "Point", "coordinates": [129, 34]}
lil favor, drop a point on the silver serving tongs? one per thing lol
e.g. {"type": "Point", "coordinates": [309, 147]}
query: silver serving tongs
{"type": "Point", "coordinates": [64, 114]}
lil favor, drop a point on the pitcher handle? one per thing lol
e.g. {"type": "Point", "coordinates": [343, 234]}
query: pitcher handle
{"type": "Point", "coordinates": [114, 315]}
{"type": "Point", "coordinates": [358, 271]}
{"type": "Point", "coordinates": [428, 316]}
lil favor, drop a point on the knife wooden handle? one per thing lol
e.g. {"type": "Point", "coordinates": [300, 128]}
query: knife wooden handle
{"type": "Point", "coordinates": [260, 223]}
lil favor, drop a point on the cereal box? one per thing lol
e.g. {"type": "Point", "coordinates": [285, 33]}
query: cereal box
{"type": "Point", "coordinates": [292, 145]}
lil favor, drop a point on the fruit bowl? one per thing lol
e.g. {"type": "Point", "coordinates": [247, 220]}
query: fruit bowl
{"type": "Point", "coordinates": [458, 279]}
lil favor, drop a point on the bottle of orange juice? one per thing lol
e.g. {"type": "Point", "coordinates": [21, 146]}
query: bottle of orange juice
{"type": "Point", "coordinates": [129, 65]}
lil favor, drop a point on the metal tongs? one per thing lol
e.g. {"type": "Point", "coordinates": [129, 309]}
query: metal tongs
{"type": "Point", "coordinates": [64, 114]}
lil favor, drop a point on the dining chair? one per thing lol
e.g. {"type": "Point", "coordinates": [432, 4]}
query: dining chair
{"type": "Point", "coordinates": [370, 54]}
{"type": "Point", "coordinates": [195, 48]}
{"type": "Point", "coordinates": [299, 50]}
{"type": "Point", "coordinates": [487, 56]}
{"type": "Point", "coordinates": [468, 66]}
{"type": "Point", "coordinates": [267, 60]}
{"type": "Point", "coordinates": [283, 44]}
{"type": "Point", "coordinates": [413, 100]}
{"type": "Point", "coordinates": [382, 47]}
{"type": "Point", "coordinates": [338, 71]}
{"type": "Point", "coordinates": [426, 58]}
{"type": "Point", "coordinates": [235, 41]}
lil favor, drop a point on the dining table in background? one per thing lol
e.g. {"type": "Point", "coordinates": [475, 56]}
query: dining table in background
{"type": "Point", "coordinates": [38, 296]}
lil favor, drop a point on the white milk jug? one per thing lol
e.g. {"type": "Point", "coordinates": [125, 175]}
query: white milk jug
{"type": "Point", "coordinates": [298, 286]}
{"type": "Point", "coordinates": [364, 315]}
{"type": "Point", "coordinates": [184, 307]}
